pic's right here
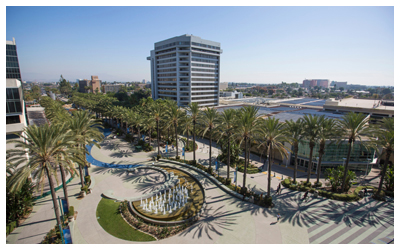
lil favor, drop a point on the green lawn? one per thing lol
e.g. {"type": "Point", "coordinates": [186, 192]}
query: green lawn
{"type": "Point", "coordinates": [111, 221]}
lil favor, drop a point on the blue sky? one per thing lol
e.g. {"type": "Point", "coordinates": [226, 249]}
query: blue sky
{"type": "Point", "coordinates": [260, 44]}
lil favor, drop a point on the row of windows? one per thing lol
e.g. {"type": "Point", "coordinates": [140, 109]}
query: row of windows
{"type": "Point", "coordinates": [205, 45]}
{"type": "Point", "coordinates": [12, 70]}
{"type": "Point", "coordinates": [209, 75]}
{"type": "Point", "coordinates": [172, 44]}
{"type": "Point", "coordinates": [166, 79]}
{"type": "Point", "coordinates": [12, 64]}
{"type": "Point", "coordinates": [205, 70]}
{"type": "Point", "coordinates": [166, 70]}
{"type": "Point", "coordinates": [203, 65]}
{"type": "Point", "coordinates": [165, 51]}
{"type": "Point", "coordinates": [208, 51]}
{"type": "Point", "coordinates": [12, 94]}
{"type": "Point", "coordinates": [11, 59]}
{"type": "Point", "coordinates": [203, 98]}
{"type": "Point", "coordinates": [208, 102]}
{"type": "Point", "coordinates": [13, 107]}
{"type": "Point", "coordinates": [204, 84]}
{"type": "Point", "coordinates": [167, 84]}
{"type": "Point", "coordinates": [167, 60]}
{"type": "Point", "coordinates": [11, 47]}
{"type": "Point", "coordinates": [206, 93]}
{"type": "Point", "coordinates": [204, 56]}
{"type": "Point", "coordinates": [171, 74]}
{"type": "Point", "coordinates": [13, 76]}
{"type": "Point", "coordinates": [204, 80]}
{"type": "Point", "coordinates": [167, 65]}
{"type": "Point", "coordinates": [166, 93]}
{"type": "Point", "coordinates": [12, 119]}
{"type": "Point", "coordinates": [166, 56]}
{"type": "Point", "coordinates": [11, 52]}
{"type": "Point", "coordinates": [204, 60]}
{"type": "Point", "coordinates": [201, 89]}
{"type": "Point", "coordinates": [172, 89]}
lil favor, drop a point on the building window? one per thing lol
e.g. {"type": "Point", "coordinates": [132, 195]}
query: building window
{"type": "Point", "coordinates": [12, 119]}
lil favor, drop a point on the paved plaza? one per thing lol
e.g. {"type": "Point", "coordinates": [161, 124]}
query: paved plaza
{"type": "Point", "coordinates": [226, 219]}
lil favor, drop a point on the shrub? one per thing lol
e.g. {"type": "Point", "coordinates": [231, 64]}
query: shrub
{"type": "Point", "coordinates": [85, 188]}
{"type": "Point", "coordinates": [286, 182]}
{"type": "Point", "coordinates": [154, 134]}
{"type": "Point", "coordinates": [319, 184]}
{"type": "Point", "coordinates": [158, 157]}
{"type": "Point", "coordinates": [87, 180]}
{"type": "Point", "coordinates": [10, 227]}
{"type": "Point", "coordinates": [307, 184]}
{"type": "Point", "coordinates": [293, 187]}
{"type": "Point", "coordinates": [177, 157]}
{"type": "Point", "coordinates": [228, 181]}
{"type": "Point", "coordinates": [267, 201]}
{"type": "Point", "coordinates": [71, 211]}
{"type": "Point", "coordinates": [193, 162]}
{"type": "Point", "coordinates": [304, 188]}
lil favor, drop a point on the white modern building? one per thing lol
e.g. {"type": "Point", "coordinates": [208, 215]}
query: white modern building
{"type": "Point", "coordinates": [186, 69]}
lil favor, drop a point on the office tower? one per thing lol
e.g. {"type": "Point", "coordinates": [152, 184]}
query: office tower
{"type": "Point", "coordinates": [84, 86]}
{"type": "Point", "coordinates": [186, 69]}
{"type": "Point", "coordinates": [15, 107]}
{"type": "Point", "coordinates": [12, 65]}
{"type": "Point", "coordinates": [95, 84]}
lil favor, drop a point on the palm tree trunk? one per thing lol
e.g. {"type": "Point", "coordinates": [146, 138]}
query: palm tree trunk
{"type": "Point", "coordinates": [81, 175]}
{"type": "Point", "coordinates": [346, 166]}
{"type": "Point", "coordinates": [168, 135]}
{"type": "Point", "coordinates": [269, 170]}
{"type": "Point", "coordinates": [64, 184]}
{"type": "Point", "coordinates": [194, 141]}
{"type": "Point", "coordinates": [229, 157]}
{"type": "Point", "coordinates": [187, 141]}
{"type": "Point", "coordinates": [388, 154]}
{"type": "Point", "coordinates": [158, 137]}
{"type": "Point", "coordinates": [296, 151]}
{"type": "Point", "coordinates": [209, 153]}
{"type": "Point", "coordinates": [53, 195]}
{"type": "Point", "coordinates": [310, 163]}
{"type": "Point", "coordinates": [245, 162]}
{"type": "Point", "coordinates": [150, 137]}
{"type": "Point", "coordinates": [319, 164]}
{"type": "Point", "coordinates": [176, 136]}
{"type": "Point", "coordinates": [138, 133]}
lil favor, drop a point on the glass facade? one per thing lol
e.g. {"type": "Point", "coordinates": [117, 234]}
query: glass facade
{"type": "Point", "coordinates": [12, 65]}
{"type": "Point", "coordinates": [334, 154]}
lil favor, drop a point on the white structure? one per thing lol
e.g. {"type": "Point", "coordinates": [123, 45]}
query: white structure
{"type": "Point", "coordinates": [234, 95]}
{"type": "Point", "coordinates": [186, 69]}
{"type": "Point", "coordinates": [15, 114]}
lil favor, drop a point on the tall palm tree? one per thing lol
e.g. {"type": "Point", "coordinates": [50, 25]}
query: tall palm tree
{"type": "Point", "coordinates": [86, 131]}
{"type": "Point", "coordinates": [328, 130]}
{"type": "Point", "coordinates": [353, 125]}
{"type": "Point", "coordinates": [226, 127]}
{"type": "Point", "coordinates": [187, 127]}
{"type": "Point", "coordinates": [311, 132]}
{"type": "Point", "coordinates": [208, 119]}
{"type": "Point", "coordinates": [157, 112]}
{"type": "Point", "coordinates": [194, 110]}
{"type": "Point", "coordinates": [295, 132]}
{"type": "Point", "coordinates": [386, 142]}
{"type": "Point", "coordinates": [272, 135]}
{"type": "Point", "coordinates": [175, 116]}
{"type": "Point", "coordinates": [46, 147]}
{"type": "Point", "coordinates": [248, 123]}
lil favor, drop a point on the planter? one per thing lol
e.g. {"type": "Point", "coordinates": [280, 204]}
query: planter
{"type": "Point", "coordinates": [71, 219]}
{"type": "Point", "coordinates": [83, 194]}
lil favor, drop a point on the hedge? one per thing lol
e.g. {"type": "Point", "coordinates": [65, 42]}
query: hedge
{"type": "Point", "coordinates": [10, 227]}
{"type": "Point", "coordinates": [71, 211]}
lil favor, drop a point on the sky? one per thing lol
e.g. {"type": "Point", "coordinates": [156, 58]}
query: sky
{"type": "Point", "coordinates": [260, 44]}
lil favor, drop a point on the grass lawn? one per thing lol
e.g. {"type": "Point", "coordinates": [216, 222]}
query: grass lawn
{"type": "Point", "coordinates": [111, 221]}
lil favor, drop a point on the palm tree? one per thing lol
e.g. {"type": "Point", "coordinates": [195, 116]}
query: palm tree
{"type": "Point", "coordinates": [352, 125]}
{"type": "Point", "coordinates": [248, 123]}
{"type": "Point", "coordinates": [226, 127]}
{"type": "Point", "coordinates": [273, 136]}
{"type": "Point", "coordinates": [311, 132]}
{"type": "Point", "coordinates": [86, 131]}
{"type": "Point", "coordinates": [194, 110]}
{"type": "Point", "coordinates": [328, 130]}
{"type": "Point", "coordinates": [209, 118]}
{"type": "Point", "coordinates": [157, 112]}
{"type": "Point", "coordinates": [186, 128]}
{"type": "Point", "coordinates": [46, 147]}
{"type": "Point", "coordinates": [295, 132]}
{"type": "Point", "coordinates": [386, 142]}
{"type": "Point", "coordinates": [174, 115]}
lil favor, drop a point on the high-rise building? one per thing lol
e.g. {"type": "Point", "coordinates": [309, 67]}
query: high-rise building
{"type": "Point", "coordinates": [15, 107]}
{"type": "Point", "coordinates": [315, 82]}
{"type": "Point", "coordinates": [90, 86]}
{"type": "Point", "coordinates": [186, 69]}
{"type": "Point", "coordinates": [339, 84]}
{"type": "Point", "coordinates": [84, 86]}
{"type": "Point", "coordinates": [12, 64]}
